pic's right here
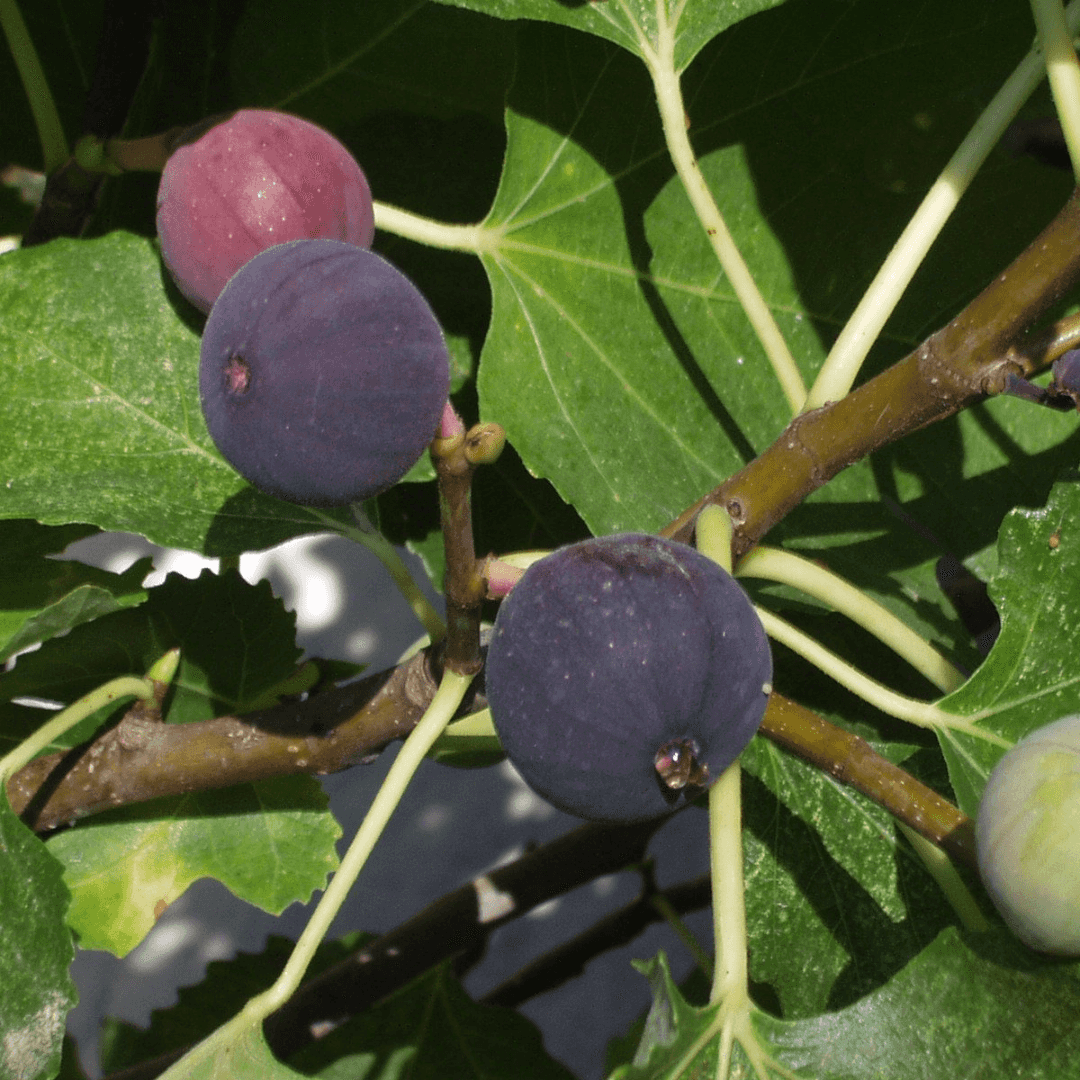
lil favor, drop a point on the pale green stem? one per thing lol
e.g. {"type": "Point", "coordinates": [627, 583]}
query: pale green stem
{"type": "Point", "coordinates": [728, 902]}
{"type": "Point", "coordinates": [440, 234]}
{"type": "Point", "coordinates": [775, 564]}
{"type": "Point", "coordinates": [443, 706]}
{"type": "Point", "coordinates": [54, 148]}
{"type": "Point", "coordinates": [661, 64]}
{"type": "Point", "coordinates": [682, 932]}
{"type": "Point", "coordinates": [923, 713]}
{"type": "Point", "coordinates": [475, 725]}
{"type": "Point", "coordinates": [114, 690]}
{"type": "Point", "coordinates": [713, 531]}
{"type": "Point", "coordinates": [842, 365]}
{"type": "Point", "coordinates": [447, 698]}
{"type": "Point", "coordinates": [949, 881]}
{"type": "Point", "coordinates": [1062, 70]}
{"type": "Point", "coordinates": [387, 554]}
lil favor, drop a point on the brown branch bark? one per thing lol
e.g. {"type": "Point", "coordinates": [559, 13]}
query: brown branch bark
{"type": "Point", "coordinates": [464, 584]}
{"type": "Point", "coordinates": [143, 758]}
{"type": "Point", "coordinates": [961, 364]}
{"type": "Point", "coordinates": [854, 763]}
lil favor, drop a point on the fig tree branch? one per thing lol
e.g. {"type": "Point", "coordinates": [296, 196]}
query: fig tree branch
{"type": "Point", "coordinates": [143, 758]}
{"type": "Point", "coordinates": [963, 363]}
{"type": "Point", "coordinates": [459, 922]}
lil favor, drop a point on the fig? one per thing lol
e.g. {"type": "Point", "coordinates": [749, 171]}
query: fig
{"type": "Point", "coordinates": [1027, 837]}
{"type": "Point", "coordinates": [625, 672]}
{"type": "Point", "coordinates": [323, 373]}
{"type": "Point", "coordinates": [248, 182]}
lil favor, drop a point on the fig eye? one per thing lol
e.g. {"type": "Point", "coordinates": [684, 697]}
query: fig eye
{"type": "Point", "coordinates": [625, 672]}
{"type": "Point", "coordinates": [677, 765]}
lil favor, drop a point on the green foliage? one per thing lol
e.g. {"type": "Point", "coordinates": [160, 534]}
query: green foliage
{"type": "Point", "coordinates": [588, 315]}
{"type": "Point", "coordinates": [35, 950]}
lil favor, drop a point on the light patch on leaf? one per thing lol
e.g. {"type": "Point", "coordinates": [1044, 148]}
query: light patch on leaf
{"type": "Point", "coordinates": [27, 1051]}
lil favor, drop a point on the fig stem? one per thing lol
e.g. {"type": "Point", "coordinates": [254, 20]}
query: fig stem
{"type": "Point", "coordinates": [54, 148]}
{"type": "Point", "coordinates": [443, 706]}
{"type": "Point", "coordinates": [941, 869]}
{"type": "Point", "coordinates": [440, 234]}
{"type": "Point", "coordinates": [776, 564]}
{"type": "Point", "coordinates": [864, 326]}
{"type": "Point", "coordinates": [660, 62]}
{"type": "Point", "coordinates": [660, 903]}
{"type": "Point", "coordinates": [1055, 39]}
{"type": "Point", "coordinates": [465, 587]}
{"type": "Point", "coordinates": [110, 692]}
{"type": "Point", "coordinates": [922, 713]}
{"type": "Point", "coordinates": [366, 534]}
{"type": "Point", "coordinates": [713, 532]}
{"type": "Point", "coordinates": [726, 868]}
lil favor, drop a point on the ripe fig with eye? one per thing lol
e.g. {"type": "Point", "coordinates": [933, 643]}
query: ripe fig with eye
{"type": "Point", "coordinates": [625, 673]}
{"type": "Point", "coordinates": [323, 373]}
{"type": "Point", "coordinates": [1028, 838]}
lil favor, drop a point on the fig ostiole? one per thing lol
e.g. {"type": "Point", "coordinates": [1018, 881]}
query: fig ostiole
{"type": "Point", "coordinates": [323, 373]}
{"type": "Point", "coordinates": [624, 674]}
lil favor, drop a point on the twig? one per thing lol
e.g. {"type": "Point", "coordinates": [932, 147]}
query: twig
{"type": "Point", "coordinates": [961, 364]}
{"type": "Point", "coordinates": [139, 760]}
{"type": "Point", "coordinates": [851, 760]}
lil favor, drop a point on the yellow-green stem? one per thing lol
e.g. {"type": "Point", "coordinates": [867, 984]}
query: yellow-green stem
{"type": "Point", "coordinates": [842, 365]}
{"type": "Point", "coordinates": [728, 901]}
{"type": "Point", "coordinates": [949, 881]}
{"type": "Point", "coordinates": [112, 691]}
{"type": "Point", "coordinates": [1062, 70]}
{"type": "Point", "coordinates": [668, 89]}
{"type": "Point", "coordinates": [922, 713]}
{"type": "Point", "coordinates": [54, 148]}
{"type": "Point", "coordinates": [447, 698]}
{"type": "Point", "coordinates": [775, 564]}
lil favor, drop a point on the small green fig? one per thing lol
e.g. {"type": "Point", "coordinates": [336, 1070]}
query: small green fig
{"type": "Point", "coordinates": [1027, 837]}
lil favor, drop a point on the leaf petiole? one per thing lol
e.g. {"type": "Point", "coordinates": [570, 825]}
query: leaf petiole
{"type": "Point", "coordinates": [54, 148]}
{"type": "Point", "coordinates": [1063, 72]}
{"type": "Point", "coordinates": [776, 564]}
{"type": "Point", "coordinates": [110, 692]}
{"type": "Point", "coordinates": [846, 357]}
{"type": "Point", "coordinates": [218, 1045]}
{"type": "Point", "coordinates": [921, 713]}
{"type": "Point", "coordinates": [661, 66]}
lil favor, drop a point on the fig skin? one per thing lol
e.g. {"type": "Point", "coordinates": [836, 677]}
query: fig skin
{"type": "Point", "coordinates": [252, 180]}
{"type": "Point", "coordinates": [609, 653]}
{"type": "Point", "coordinates": [323, 373]}
{"type": "Point", "coordinates": [1027, 838]}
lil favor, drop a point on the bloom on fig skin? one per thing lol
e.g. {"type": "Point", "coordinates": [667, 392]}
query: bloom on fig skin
{"type": "Point", "coordinates": [255, 179]}
{"type": "Point", "coordinates": [1028, 838]}
{"type": "Point", "coordinates": [323, 373]}
{"type": "Point", "coordinates": [625, 672]}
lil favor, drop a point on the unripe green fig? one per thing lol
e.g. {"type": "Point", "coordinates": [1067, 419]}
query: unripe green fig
{"type": "Point", "coordinates": [1027, 837]}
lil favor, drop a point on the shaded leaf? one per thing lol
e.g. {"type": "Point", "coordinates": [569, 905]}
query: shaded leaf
{"type": "Point", "coordinates": [270, 843]}
{"type": "Point", "coordinates": [640, 26]}
{"type": "Point", "coordinates": [42, 598]}
{"type": "Point", "coordinates": [431, 1029]}
{"type": "Point", "coordinates": [975, 1006]}
{"type": "Point", "coordinates": [36, 950]}
{"type": "Point", "coordinates": [1030, 677]}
